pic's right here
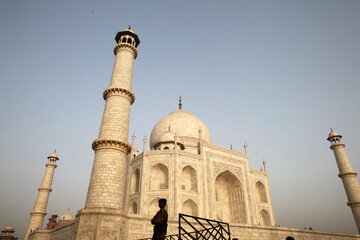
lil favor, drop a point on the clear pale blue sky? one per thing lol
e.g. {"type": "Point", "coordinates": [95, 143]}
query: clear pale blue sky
{"type": "Point", "coordinates": [276, 74]}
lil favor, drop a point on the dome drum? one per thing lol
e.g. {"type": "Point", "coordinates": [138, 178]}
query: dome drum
{"type": "Point", "coordinates": [168, 145]}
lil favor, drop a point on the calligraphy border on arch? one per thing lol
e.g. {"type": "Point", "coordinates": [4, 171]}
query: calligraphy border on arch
{"type": "Point", "coordinates": [185, 197]}
{"type": "Point", "coordinates": [219, 167]}
{"type": "Point", "coordinates": [224, 158]}
{"type": "Point", "coordinates": [154, 162]}
{"type": "Point", "coordinates": [187, 162]}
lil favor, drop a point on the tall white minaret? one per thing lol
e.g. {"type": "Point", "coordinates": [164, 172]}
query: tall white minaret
{"type": "Point", "coordinates": [105, 198]}
{"type": "Point", "coordinates": [347, 175]}
{"type": "Point", "coordinates": [39, 212]}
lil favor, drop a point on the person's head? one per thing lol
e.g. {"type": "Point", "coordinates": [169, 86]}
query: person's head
{"type": "Point", "coordinates": [162, 203]}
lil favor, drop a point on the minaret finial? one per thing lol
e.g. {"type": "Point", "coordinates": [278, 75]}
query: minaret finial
{"type": "Point", "coordinates": [264, 163]}
{"type": "Point", "coordinates": [230, 146]}
{"type": "Point", "coordinates": [331, 129]}
{"type": "Point", "coordinates": [180, 104]}
{"type": "Point", "coordinates": [129, 27]}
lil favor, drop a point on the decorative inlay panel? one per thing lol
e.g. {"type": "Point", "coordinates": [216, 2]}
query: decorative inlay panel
{"type": "Point", "coordinates": [220, 167]}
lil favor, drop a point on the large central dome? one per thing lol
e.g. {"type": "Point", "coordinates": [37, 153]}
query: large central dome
{"type": "Point", "coordinates": [181, 123]}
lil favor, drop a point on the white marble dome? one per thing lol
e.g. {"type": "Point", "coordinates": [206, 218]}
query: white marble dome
{"type": "Point", "coordinates": [67, 216]}
{"type": "Point", "coordinates": [181, 123]}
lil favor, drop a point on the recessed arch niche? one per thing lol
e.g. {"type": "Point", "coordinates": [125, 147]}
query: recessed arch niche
{"type": "Point", "coordinates": [135, 181]}
{"type": "Point", "coordinates": [230, 203]}
{"type": "Point", "coordinates": [189, 207]}
{"type": "Point", "coordinates": [133, 208]}
{"type": "Point", "coordinates": [261, 192]}
{"type": "Point", "coordinates": [265, 218]}
{"type": "Point", "coordinates": [189, 179]}
{"type": "Point", "coordinates": [159, 177]}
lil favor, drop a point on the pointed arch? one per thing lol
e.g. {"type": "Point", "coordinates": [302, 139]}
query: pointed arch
{"type": "Point", "coordinates": [261, 192]}
{"type": "Point", "coordinates": [190, 207]}
{"type": "Point", "coordinates": [189, 179]}
{"type": "Point", "coordinates": [135, 181]}
{"type": "Point", "coordinates": [230, 202]}
{"type": "Point", "coordinates": [159, 177]}
{"type": "Point", "coordinates": [133, 208]}
{"type": "Point", "coordinates": [265, 218]}
{"type": "Point", "coordinates": [108, 238]}
{"type": "Point", "coordinates": [86, 238]}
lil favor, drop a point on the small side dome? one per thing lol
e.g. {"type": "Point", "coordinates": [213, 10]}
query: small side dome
{"type": "Point", "coordinates": [9, 228]}
{"type": "Point", "coordinates": [333, 134]}
{"type": "Point", "coordinates": [128, 32]}
{"type": "Point", "coordinates": [67, 216]}
{"type": "Point", "coordinates": [54, 155]}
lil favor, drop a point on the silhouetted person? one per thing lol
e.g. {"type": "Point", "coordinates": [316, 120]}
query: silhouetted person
{"type": "Point", "coordinates": [160, 221]}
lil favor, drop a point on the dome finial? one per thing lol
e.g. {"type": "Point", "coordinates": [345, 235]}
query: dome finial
{"type": "Point", "coordinates": [180, 104]}
{"type": "Point", "coordinates": [264, 164]}
{"type": "Point", "coordinates": [129, 27]}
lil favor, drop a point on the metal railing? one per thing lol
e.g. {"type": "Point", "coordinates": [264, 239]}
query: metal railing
{"type": "Point", "coordinates": [191, 227]}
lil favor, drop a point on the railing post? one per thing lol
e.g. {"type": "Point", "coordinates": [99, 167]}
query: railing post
{"type": "Point", "coordinates": [179, 227]}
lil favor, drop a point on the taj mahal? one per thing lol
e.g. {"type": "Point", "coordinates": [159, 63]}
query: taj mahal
{"type": "Point", "coordinates": [182, 165]}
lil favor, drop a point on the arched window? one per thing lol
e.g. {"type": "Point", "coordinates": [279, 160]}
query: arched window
{"type": "Point", "coordinates": [135, 181]}
{"type": "Point", "coordinates": [159, 177]}
{"type": "Point", "coordinates": [129, 40]}
{"type": "Point", "coordinates": [133, 208]}
{"type": "Point", "coordinates": [123, 40]}
{"type": "Point", "coordinates": [261, 192]}
{"type": "Point", "coordinates": [188, 179]}
{"type": "Point", "coordinates": [189, 207]}
{"type": "Point", "coordinates": [265, 218]}
{"type": "Point", "coordinates": [165, 148]}
{"type": "Point", "coordinates": [230, 203]}
{"type": "Point", "coordinates": [290, 238]}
